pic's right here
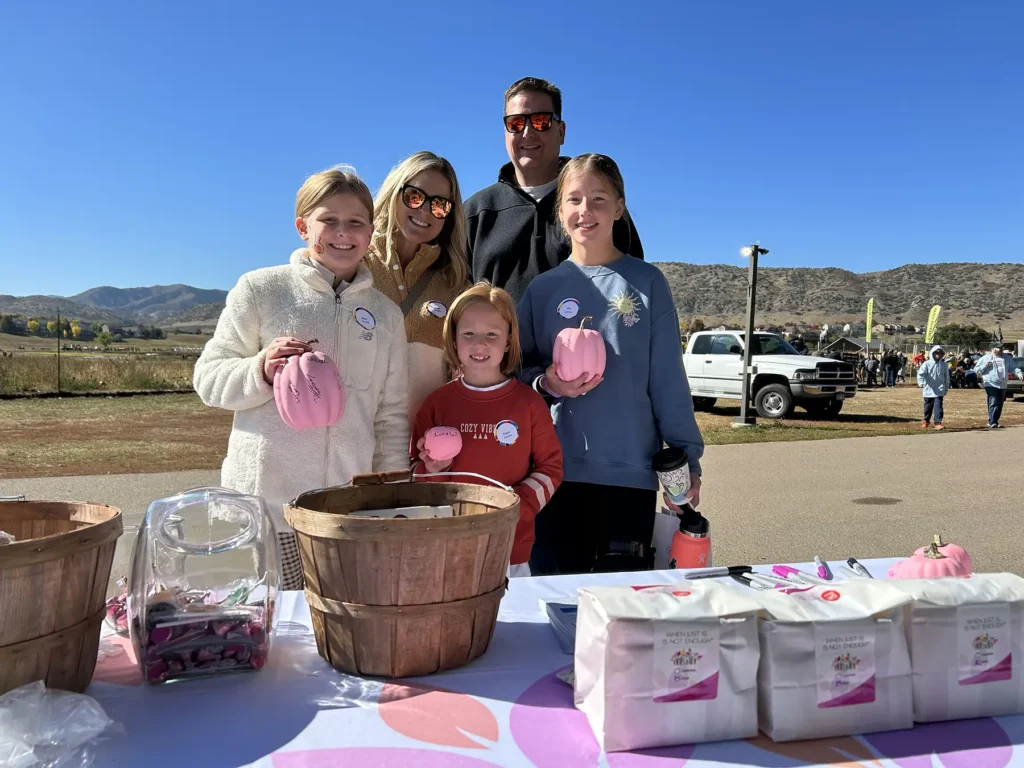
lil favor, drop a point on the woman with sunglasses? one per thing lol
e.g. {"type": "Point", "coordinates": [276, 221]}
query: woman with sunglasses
{"type": "Point", "coordinates": [418, 260]}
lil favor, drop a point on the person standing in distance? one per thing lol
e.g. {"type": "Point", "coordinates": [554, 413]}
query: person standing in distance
{"type": "Point", "coordinates": [513, 224]}
{"type": "Point", "coordinates": [995, 369]}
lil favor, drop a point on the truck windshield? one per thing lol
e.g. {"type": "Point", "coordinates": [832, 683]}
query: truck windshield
{"type": "Point", "coordinates": [770, 344]}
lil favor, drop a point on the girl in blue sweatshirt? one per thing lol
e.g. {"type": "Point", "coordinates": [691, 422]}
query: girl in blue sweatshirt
{"type": "Point", "coordinates": [602, 516]}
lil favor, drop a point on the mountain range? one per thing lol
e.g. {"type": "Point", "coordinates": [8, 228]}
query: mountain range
{"type": "Point", "coordinates": [968, 292]}
{"type": "Point", "coordinates": [982, 293]}
{"type": "Point", "coordinates": [164, 305]}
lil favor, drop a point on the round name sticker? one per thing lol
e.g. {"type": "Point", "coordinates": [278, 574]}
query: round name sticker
{"type": "Point", "coordinates": [364, 317]}
{"type": "Point", "coordinates": [568, 308]}
{"type": "Point", "coordinates": [506, 432]}
{"type": "Point", "coordinates": [437, 309]}
{"type": "Point", "coordinates": [830, 596]}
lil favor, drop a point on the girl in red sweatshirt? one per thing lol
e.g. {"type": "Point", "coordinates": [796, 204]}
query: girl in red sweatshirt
{"type": "Point", "coordinates": [507, 432]}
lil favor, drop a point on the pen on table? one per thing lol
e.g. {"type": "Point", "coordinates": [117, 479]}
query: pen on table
{"type": "Point", "coordinates": [788, 572]}
{"type": "Point", "coordinates": [745, 580]}
{"type": "Point", "coordinates": [855, 565]}
{"type": "Point", "coordinates": [823, 570]}
{"type": "Point", "coordinates": [791, 573]}
{"type": "Point", "coordinates": [768, 582]}
{"type": "Point", "coordinates": [714, 573]}
{"type": "Point", "coordinates": [773, 579]}
{"type": "Point", "coordinates": [808, 579]}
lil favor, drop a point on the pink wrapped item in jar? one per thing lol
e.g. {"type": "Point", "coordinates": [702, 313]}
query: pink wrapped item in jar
{"type": "Point", "coordinates": [204, 581]}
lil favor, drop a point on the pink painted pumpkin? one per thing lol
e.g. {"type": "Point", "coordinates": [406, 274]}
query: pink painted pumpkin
{"type": "Point", "coordinates": [442, 443]}
{"type": "Point", "coordinates": [579, 351]}
{"type": "Point", "coordinates": [952, 551]}
{"type": "Point", "coordinates": [308, 391]}
{"type": "Point", "coordinates": [930, 563]}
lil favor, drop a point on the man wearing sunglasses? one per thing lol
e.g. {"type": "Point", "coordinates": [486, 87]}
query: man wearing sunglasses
{"type": "Point", "coordinates": [513, 224]}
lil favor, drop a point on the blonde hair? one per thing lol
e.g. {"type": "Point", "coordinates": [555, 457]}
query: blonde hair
{"type": "Point", "coordinates": [320, 187]}
{"type": "Point", "coordinates": [453, 238]}
{"type": "Point", "coordinates": [483, 293]}
{"type": "Point", "coordinates": [590, 163]}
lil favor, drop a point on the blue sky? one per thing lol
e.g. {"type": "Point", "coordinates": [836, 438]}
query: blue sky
{"type": "Point", "coordinates": [156, 143]}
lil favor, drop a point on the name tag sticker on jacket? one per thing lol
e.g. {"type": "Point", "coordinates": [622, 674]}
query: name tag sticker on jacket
{"type": "Point", "coordinates": [506, 432]}
{"type": "Point", "coordinates": [437, 309]}
{"type": "Point", "coordinates": [568, 308]}
{"type": "Point", "coordinates": [364, 317]}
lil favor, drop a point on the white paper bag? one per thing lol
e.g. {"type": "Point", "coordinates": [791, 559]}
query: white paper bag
{"type": "Point", "coordinates": [412, 513]}
{"type": "Point", "coordinates": [834, 662]}
{"type": "Point", "coordinates": [966, 645]}
{"type": "Point", "coordinates": [672, 664]}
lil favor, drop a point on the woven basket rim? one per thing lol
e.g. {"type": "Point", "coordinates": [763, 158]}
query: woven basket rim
{"type": "Point", "coordinates": [342, 525]}
{"type": "Point", "coordinates": [28, 551]}
{"type": "Point", "coordinates": [471, 488]}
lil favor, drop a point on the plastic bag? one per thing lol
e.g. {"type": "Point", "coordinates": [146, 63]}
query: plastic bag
{"type": "Point", "coordinates": [49, 728]}
{"type": "Point", "coordinates": [117, 609]}
{"type": "Point", "coordinates": [325, 686]}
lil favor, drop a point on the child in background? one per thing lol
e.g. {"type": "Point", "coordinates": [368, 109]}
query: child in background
{"type": "Point", "coordinates": [324, 293]}
{"type": "Point", "coordinates": [507, 434]}
{"type": "Point", "coordinates": [602, 517]}
{"type": "Point", "coordinates": [933, 378]}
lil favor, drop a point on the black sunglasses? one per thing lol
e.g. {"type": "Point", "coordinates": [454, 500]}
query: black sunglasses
{"type": "Point", "coordinates": [414, 198]}
{"type": "Point", "coordinates": [540, 121]}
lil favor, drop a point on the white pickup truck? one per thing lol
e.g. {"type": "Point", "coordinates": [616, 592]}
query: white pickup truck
{"type": "Point", "coordinates": [782, 377]}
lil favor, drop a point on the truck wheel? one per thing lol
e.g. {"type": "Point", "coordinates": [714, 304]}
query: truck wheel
{"type": "Point", "coordinates": [816, 408]}
{"type": "Point", "coordinates": [833, 407]}
{"type": "Point", "coordinates": [703, 403]}
{"type": "Point", "coordinates": [773, 401]}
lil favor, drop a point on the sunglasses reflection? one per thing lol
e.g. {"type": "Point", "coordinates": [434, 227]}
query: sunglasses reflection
{"type": "Point", "coordinates": [539, 121]}
{"type": "Point", "coordinates": [415, 198]}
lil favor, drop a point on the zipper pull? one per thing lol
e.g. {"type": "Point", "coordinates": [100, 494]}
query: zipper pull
{"type": "Point", "coordinates": [337, 299]}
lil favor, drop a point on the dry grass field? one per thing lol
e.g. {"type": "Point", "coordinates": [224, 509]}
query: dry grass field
{"type": "Point", "coordinates": [160, 433]}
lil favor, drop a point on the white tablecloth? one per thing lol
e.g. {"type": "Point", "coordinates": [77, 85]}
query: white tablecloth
{"type": "Point", "coordinates": [505, 709]}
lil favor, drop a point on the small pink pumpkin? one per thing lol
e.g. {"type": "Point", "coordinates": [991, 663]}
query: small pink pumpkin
{"type": "Point", "coordinates": [308, 391]}
{"type": "Point", "coordinates": [929, 563]}
{"type": "Point", "coordinates": [442, 443]}
{"type": "Point", "coordinates": [579, 351]}
{"type": "Point", "coordinates": [952, 551]}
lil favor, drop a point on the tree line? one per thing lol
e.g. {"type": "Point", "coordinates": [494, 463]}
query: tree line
{"type": "Point", "coordinates": [75, 329]}
{"type": "Point", "coordinates": [970, 336]}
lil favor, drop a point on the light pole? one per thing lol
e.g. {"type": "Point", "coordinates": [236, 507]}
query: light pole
{"type": "Point", "coordinates": [58, 351]}
{"type": "Point", "coordinates": [747, 417]}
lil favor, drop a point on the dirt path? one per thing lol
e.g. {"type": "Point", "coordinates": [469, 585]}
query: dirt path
{"type": "Point", "coordinates": [780, 502]}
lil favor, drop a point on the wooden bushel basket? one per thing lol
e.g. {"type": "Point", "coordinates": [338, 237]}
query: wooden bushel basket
{"type": "Point", "coordinates": [403, 597]}
{"type": "Point", "coordinates": [53, 586]}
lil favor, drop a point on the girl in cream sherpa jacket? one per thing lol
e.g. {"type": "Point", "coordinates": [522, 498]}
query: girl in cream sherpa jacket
{"type": "Point", "coordinates": [266, 457]}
